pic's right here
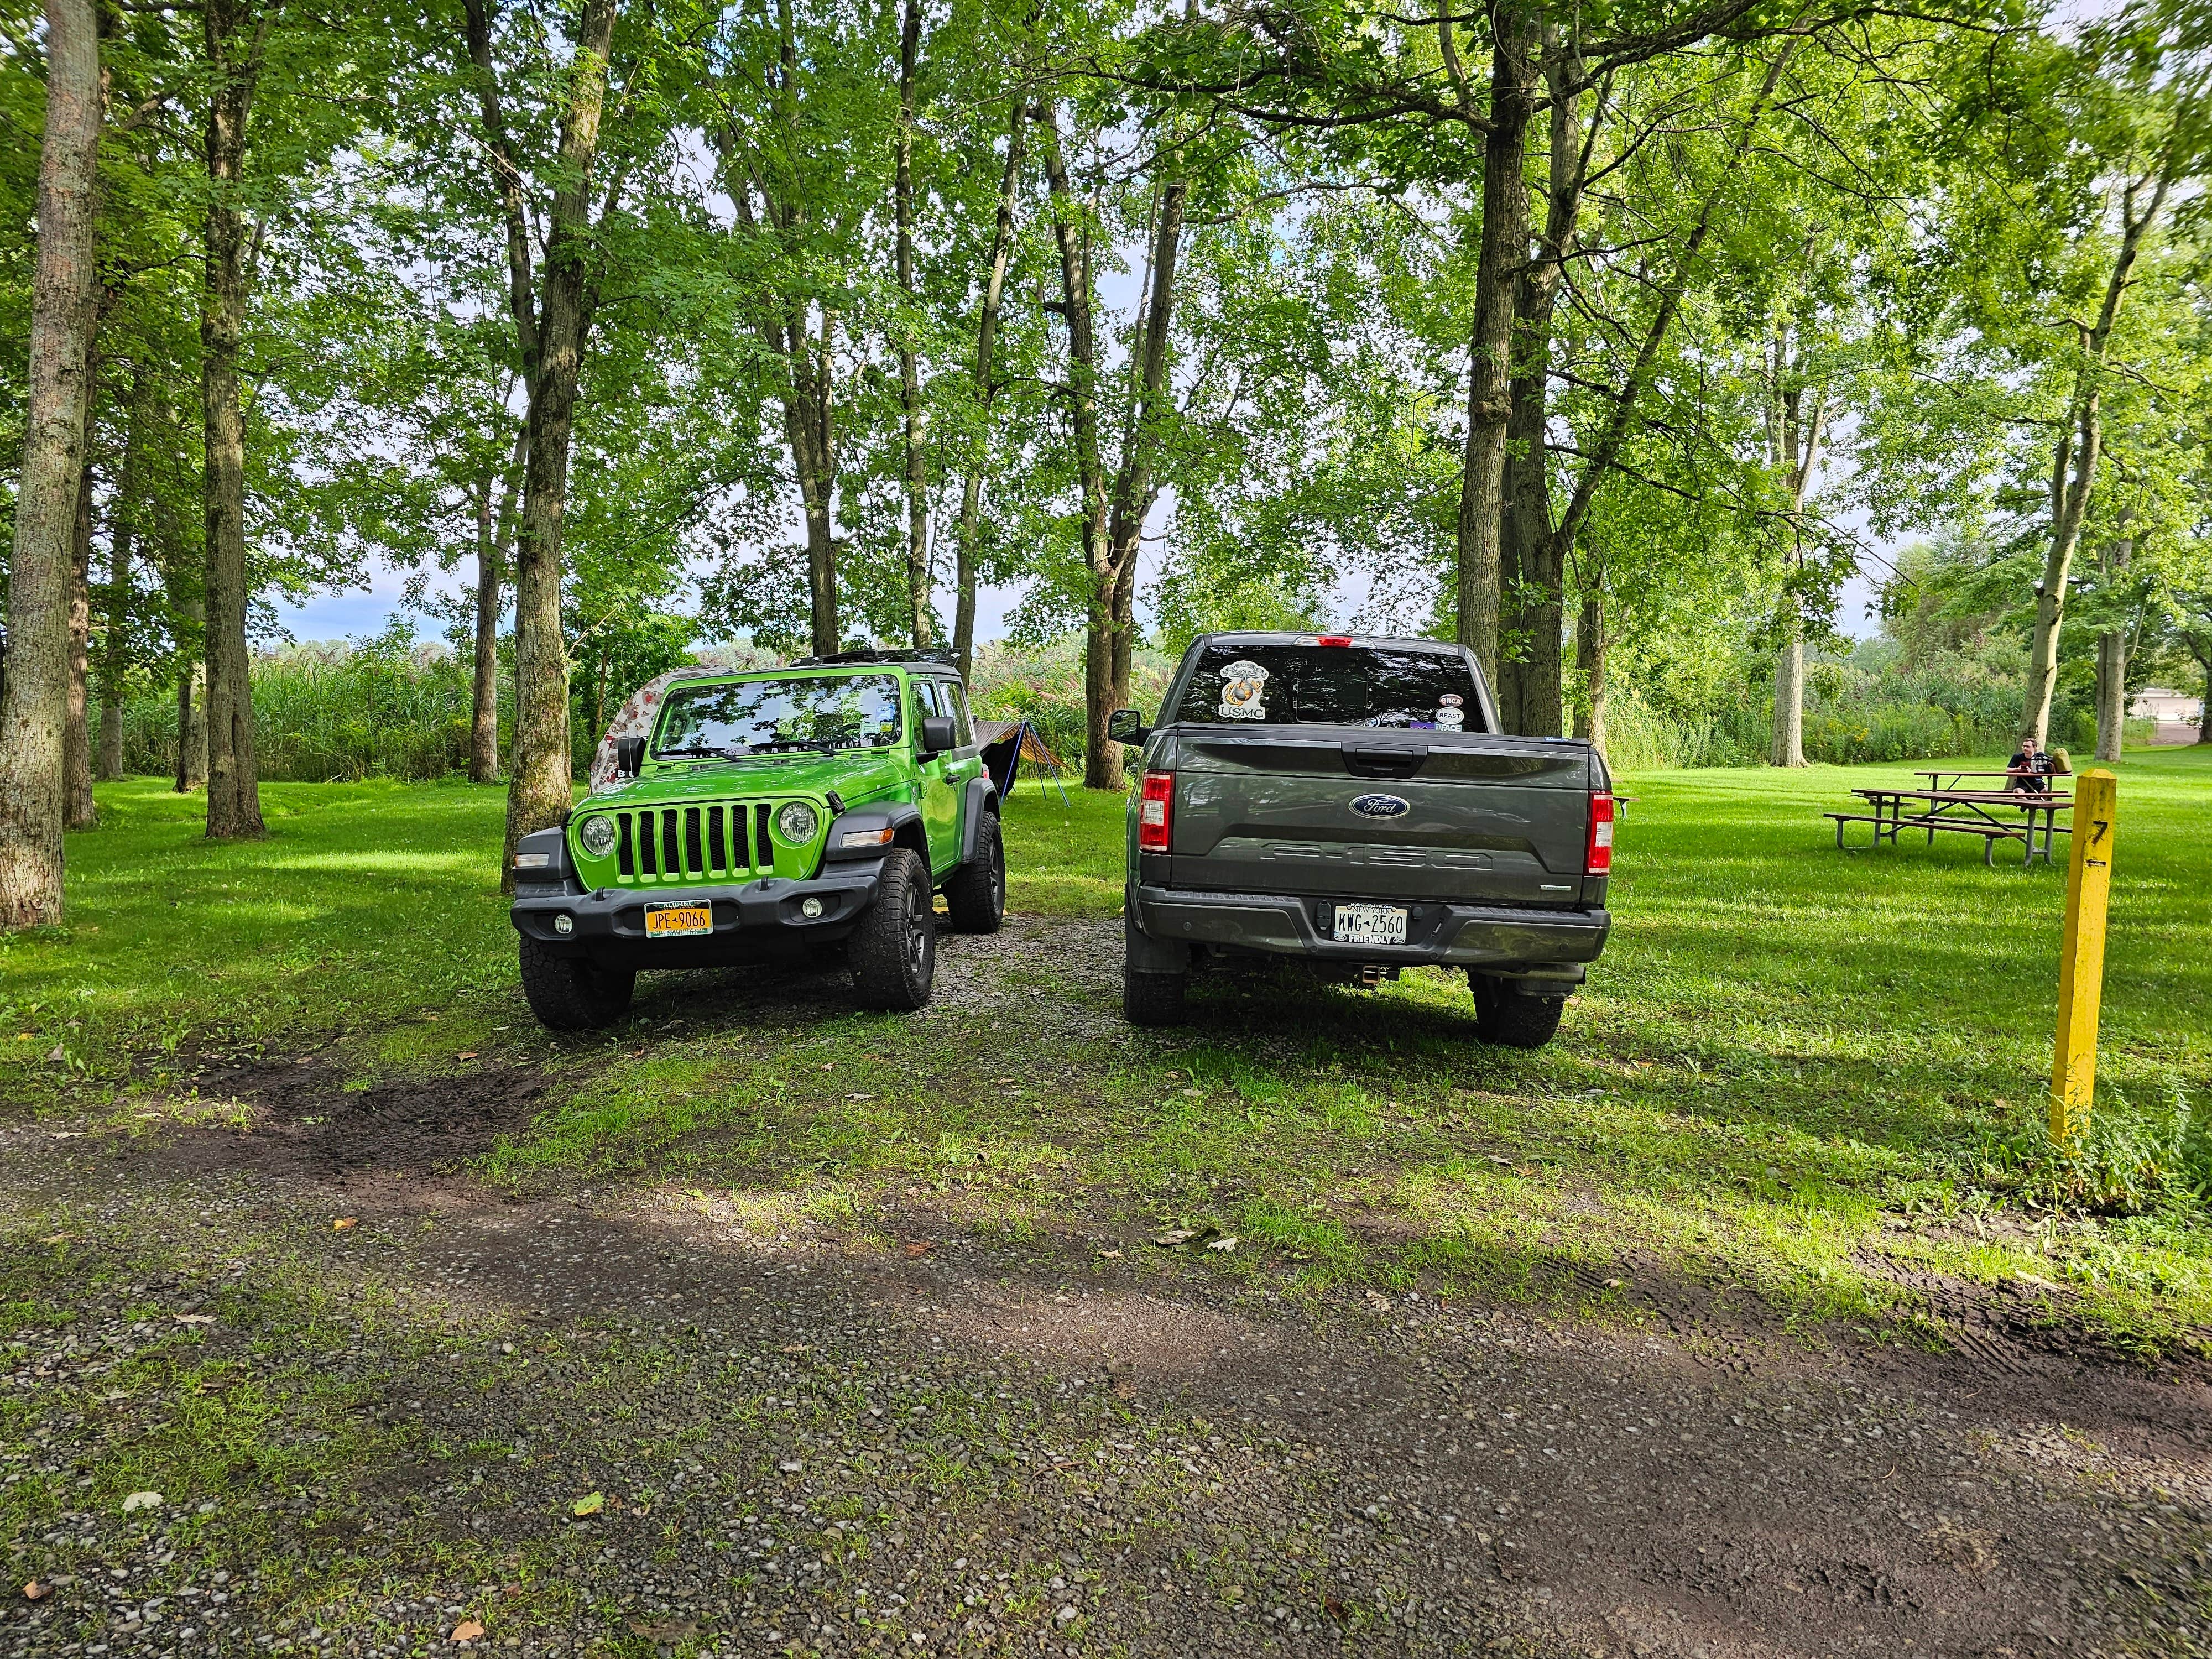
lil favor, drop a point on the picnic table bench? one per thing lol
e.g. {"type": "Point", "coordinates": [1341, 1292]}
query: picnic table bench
{"type": "Point", "coordinates": [1963, 812]}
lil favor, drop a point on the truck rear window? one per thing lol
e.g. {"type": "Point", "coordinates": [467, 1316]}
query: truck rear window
{"type": "Point", "coordinates": [1331, 685]}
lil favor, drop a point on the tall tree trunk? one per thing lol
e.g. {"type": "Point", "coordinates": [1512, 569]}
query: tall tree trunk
{"type": "Point", "coordinates": [1794, 441]}
{"type": "Point", "coordinates": [543, 785]}
{"type": "Point", "coordinates": [2112, 692]}
{"type": "Point", "coordinates": [1531, 560]}
{"type": "Point", "coordinates": [1502, 250]}
{"type": "Point", "coordinates": [2085, 435]}
{"type": "Point", "coordinates": [809, 426]}
{"type": "Point", "coordinates": [2113, 657]}
{"type": "Point", "coordinates": [917, 475]}
{"type": "Point", "coordinates": [987, 392]}
{"type": "Point", "coordinates": [115, 653]}
{"type": "Point", "coordinates": [1102, 761]}
{"type": "Point", "coordinates": [33, 703]}
{"type": "Point", "coordinates": [1136, 484]}
{"type": "Point", "coordinates": [1589, 665]}
{"type": "Point", "coordinates": [233, 40]}
{"type": "Point", "coordinates": [495, 539]}
{"type": "Point", "coordinates": [79, 811]}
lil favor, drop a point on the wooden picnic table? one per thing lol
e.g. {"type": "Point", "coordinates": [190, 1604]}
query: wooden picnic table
{"type": "Point", "coordinates": [1967, 812]}
{"type": "Point", "coordinates": [1936, 777]}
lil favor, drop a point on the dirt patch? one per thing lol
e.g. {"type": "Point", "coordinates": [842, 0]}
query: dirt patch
{"type": "Point", "coordinates": [306, 1124]}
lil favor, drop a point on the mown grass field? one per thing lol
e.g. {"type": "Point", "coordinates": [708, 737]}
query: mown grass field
{"type": "Point", "coordinates": [1795, 1073]}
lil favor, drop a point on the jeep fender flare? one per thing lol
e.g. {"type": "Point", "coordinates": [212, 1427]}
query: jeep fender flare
{"type": "Point", "coordinates": [981, 797]}
{"type": "Point", "coordinates": [903, 818]}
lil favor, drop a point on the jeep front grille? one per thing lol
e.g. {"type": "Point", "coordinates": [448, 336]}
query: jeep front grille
{"type": "Point", "coordinates": [677, 843]}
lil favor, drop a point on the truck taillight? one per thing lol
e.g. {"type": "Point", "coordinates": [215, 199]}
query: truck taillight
{"type": "Point", "coordinates": [1156, 813]}
{"type": "Point", "coordinates": [1599, 862]}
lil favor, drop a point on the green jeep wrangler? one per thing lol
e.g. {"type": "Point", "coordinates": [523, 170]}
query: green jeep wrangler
{"type": "Point", "coordinates": [775, 815]}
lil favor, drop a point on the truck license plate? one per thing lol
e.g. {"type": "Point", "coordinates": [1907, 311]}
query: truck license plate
{"type": "Point", "coordinates": [1370, 924]}
{"type": "Point", "coordinates": [677, 921]}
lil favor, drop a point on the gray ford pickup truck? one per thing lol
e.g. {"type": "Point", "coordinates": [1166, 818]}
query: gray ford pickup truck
{"type": "Point", "coordinates": [1350, 801]}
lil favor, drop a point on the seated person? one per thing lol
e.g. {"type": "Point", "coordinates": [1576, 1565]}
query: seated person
{"type": "Point", "coordinates": [2029, 770]}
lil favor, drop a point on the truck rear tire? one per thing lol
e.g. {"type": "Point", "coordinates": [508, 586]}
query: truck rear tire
{"type": "Point", "coordinates": [573, 993]}
{"type": "Point", "coordinates": [975, 898]}
{"type": "Point", "coordinates": [894, 949]}
{"type": "Point", "coordinates": [1511, 1020]}
{"type": "Point", "coordinates": [1152, 998]}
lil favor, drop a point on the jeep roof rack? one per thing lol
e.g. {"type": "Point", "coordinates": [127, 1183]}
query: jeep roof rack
{"type": "Point", "coordinates": [935, 654]}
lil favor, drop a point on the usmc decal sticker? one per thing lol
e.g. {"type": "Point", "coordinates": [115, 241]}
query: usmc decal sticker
{"type": "Point", "coordinates": [1243, 691]}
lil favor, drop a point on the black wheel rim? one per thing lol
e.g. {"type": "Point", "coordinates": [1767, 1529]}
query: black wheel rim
{"type": "Point", "coordinates": [997, 880]}
{"type": "Point", "coordinates": [917, 928]}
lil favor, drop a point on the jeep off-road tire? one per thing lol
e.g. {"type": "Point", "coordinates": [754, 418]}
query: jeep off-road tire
{"type": "Point", "coordinates": [894, 948]}
{"type": "Point", "coordinates": [1508, 1020]}
{"type": "Point", "coordinates": [573, 993]}
{"type": "Point", "coordinates": [1152, 998]}
{"type": "Point", "coordinates": [975, 898]}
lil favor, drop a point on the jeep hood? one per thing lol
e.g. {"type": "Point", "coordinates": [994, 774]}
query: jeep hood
{"type": "Point", "coordinates": [856, 776]}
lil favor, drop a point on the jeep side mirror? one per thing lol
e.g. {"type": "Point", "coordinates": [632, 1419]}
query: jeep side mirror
{"type": "Point", "coordinates": [939, 733]}
{"type": "Point", "coordinates": [1127, 726]}
{"type": "Point", "coordinates": [630, 756]}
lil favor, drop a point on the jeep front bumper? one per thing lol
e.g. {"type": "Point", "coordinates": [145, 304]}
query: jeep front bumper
{"type": "Point", "coordinates": [1504, 938]}
{"type": "Point", "coordinates": [609, 924]}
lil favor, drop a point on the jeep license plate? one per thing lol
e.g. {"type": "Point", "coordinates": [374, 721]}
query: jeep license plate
{"type": "Point", "coordinates": [679, 921]}
{"type": "Point", "coordinates": [1370, 924]}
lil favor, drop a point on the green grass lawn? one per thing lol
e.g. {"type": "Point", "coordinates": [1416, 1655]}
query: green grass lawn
{"type": "Point", "coordinates": [1795, 1070]}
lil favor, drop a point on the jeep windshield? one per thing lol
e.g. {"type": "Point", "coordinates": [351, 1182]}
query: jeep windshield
{"type": "Point", "coordinates": [817, 713]}
{"type": "Point", "coordinates": [1331, 685]}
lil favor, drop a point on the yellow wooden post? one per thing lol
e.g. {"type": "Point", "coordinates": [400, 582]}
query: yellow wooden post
{"type": "Point", "coordinates": [2082, 954]}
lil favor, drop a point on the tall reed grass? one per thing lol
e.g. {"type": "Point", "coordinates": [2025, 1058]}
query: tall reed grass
{"type": "Point", "coordinates": [336, 712]}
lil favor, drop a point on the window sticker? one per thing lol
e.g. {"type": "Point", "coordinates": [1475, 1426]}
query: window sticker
{"type": "Point", "coordinates": [1243, 684]}
{"type": "Point", "coordinates": [1451, 720]}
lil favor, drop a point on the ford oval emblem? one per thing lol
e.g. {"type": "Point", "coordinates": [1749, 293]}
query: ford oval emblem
{"type": "Point", "coordinates": [1380, 806]}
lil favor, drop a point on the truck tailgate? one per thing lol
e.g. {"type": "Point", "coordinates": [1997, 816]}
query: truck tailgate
{"type": "Point", "coordinates": [1360, 812]}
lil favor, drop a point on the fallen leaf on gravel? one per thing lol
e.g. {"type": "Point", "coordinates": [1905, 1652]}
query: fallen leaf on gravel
{"type": "Point", "coordinates": [590, 1503]}
{"type": "Point", "coordinates": [34, 1591]}
{"type": "Point", "coordinates": [467, 1631]}
{"type": "Point", "coordinates": [1175, 1235]}
{"type": "Point", "coordinates": [142, 1500]}
{"type": "Point", "coordinates": [196, 1319]}
{"type": "Point", "coordinates": [1195, 1094]}
{"type": "Point", "coordinates": [1614, 1284]}
{"type": "Point", "coordinates": [794, 1347]}
{"type": "Point", "coordinates": [791, 1466]}
{"type": "Point", "coordinates": [1228, 1243]}
{"type": "Point", "coordinates": [665, 1630]}
{"type": "Point", "coordinates": [859, 1097]}
{"type": "Point", "coordinates": [466, 1053]}
{"type": "Point", "coordinates": [1111, 1255]}
{"type": "Point", "coordinates": [57, 1238]}
{"type": "Point", "coordinates": [1333, 1607]}
{"type": "Point", "coordinates": [919, 1249]}
{"type": "Point", "coordinates": [57, 1054]}
{"type": "Point", "coordinates": [345, 1221]}
{"type": "Point", "coordinates": [1379, 1302]}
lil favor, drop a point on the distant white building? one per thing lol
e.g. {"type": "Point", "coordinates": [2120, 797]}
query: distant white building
{"type": "Point", "coordinates": [2180, 715]}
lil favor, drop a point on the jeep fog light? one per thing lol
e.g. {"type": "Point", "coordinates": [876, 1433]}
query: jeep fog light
{"type": "Point", "coordinates": [564, 925]}
{"type": "Point", "coordinates": [597, 835]}
{"type": "Point", "coordinates": [811, 909]}
{"type": "Point", "coordinates": [795, 822]}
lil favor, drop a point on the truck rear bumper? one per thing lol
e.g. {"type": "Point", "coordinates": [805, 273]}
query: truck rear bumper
{"type": "Point", "coordinates": [1456, 935]}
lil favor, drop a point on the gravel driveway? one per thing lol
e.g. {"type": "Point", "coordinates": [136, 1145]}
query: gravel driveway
{"type": "Point", "coordinates": [369, 1401]}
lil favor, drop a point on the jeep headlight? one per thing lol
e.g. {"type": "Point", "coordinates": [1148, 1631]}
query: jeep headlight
{"type": "Point", "coordinates": [597, 835]}
{"type": "Point", "coordinates": [796, 822]}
